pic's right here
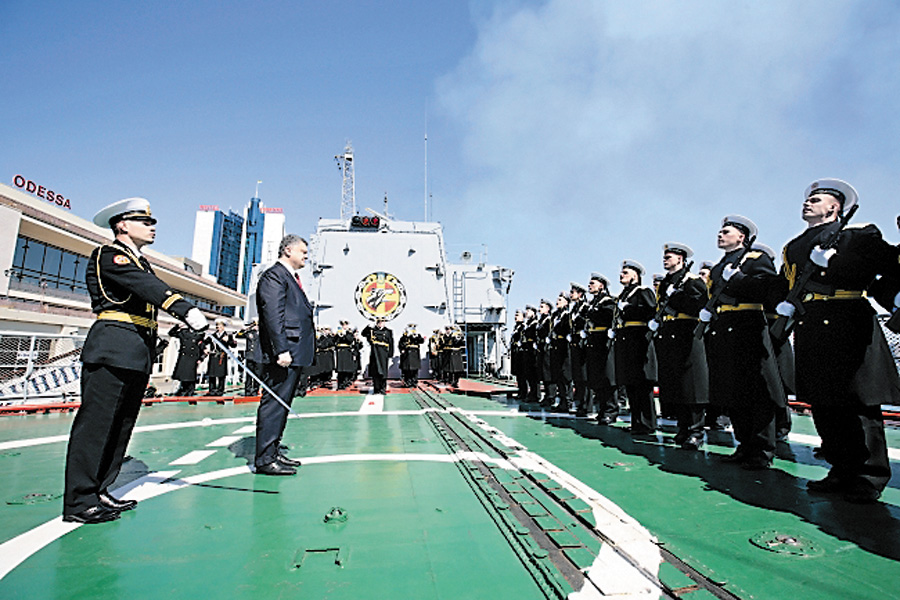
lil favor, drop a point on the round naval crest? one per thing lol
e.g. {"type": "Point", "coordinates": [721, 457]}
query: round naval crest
{"type": "Point", "coordinates": [380, 295]}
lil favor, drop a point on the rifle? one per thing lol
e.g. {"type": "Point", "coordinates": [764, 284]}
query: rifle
{"type": "Point", "coordinates": [663, 306]}
{"type": "Point", "coordinates": [700, 329]}
{"type": "Point", "coordinates": [782, 327]}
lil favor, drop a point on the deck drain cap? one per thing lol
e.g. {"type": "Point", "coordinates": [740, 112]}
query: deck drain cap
{"type": "Point", "coordinates": [786, 543]}
{"type": "Point", "coordinates": [336, 515]}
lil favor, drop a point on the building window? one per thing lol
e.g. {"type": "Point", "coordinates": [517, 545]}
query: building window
{"type": "Point", "coordinates": [40, 267]}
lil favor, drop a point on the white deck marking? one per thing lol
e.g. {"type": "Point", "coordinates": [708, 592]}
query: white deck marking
{"type": "Point", "coordinates": [192, 458]}
{"type": "Point", "coordinates": [373, 403]}
{"type": "Point", "coordinates": [14, 552]}
{"type": "Point", "coordinates": [245, 430]}
{"type": "Point", "coordinates": [224, 441]}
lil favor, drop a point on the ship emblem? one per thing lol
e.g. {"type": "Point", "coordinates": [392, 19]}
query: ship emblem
{"type": "Point", "coordinates": [380, 295]}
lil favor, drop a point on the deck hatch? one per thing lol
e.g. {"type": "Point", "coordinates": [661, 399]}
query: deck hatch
{"type": "Point", "coordinates": [786, 543]}
{"type": "Point", "coordinates": [307, 558]}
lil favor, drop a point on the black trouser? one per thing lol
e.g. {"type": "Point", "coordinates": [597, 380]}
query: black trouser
{"type": "Point", "coordinates": [271, 417]}
{"type": "Point", "coordinates": [607, 404]}
{"type": "Point", "coordinates": [251, 386]}
{"type": "Point", "coordinates": [690, 422]}
{"type": "Point", "coordinates": [411, 378]}
{"type": "Point", "coordinates": [643, 413]}
{"type": "Point", "coordinates": [754, 426]}
{"type": "Point", "coordinates": [110, 402]}
{"type": "Point", "coordinates": [379, 383]}
{"type": "Point", "coordinates": [344, 379]}
{"type": "Point", "coordinates": [186, 388]}
{"type": "Point", "coordinates": [782, 422]}
{"type": "Point", "coordinates": [216, 386]}
{"type": "Point", "coordinates": [853, 442]}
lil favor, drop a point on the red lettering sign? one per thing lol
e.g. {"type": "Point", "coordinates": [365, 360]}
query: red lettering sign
{"type": "Point", "coordinates": [209, 207]}
{"type": "Point", "coordinates": [41, 192]}
{"type": "Point", "coordinates": [273, 211]}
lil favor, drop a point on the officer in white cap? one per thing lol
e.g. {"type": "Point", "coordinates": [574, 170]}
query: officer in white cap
{"type": "Point", "coordinates": [410, 355]}
{"type": "Point", "coordinates": [743, 375]}
{"type": "Point", "coordinates": [118, 355]}
{"type": "Point", "coordinates": [634, 354]}
{"type": "Point", "coordinates": [542, 359]}
{"type": "Point", "coordinates": [844, 368]}
{"type": "Point", "coordinates": [598, 323]}
{"type": "Point", "coordinates": [683, 372]}
{"type": "Point", "coordinates": [560, 362]}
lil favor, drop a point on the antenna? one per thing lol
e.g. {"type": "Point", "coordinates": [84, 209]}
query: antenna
{"type": "Point", "coordinates": [426, 166]}
{"type": "Point", "coordinates": [348, 182]}
{"type": "Point", "coordinates": [256, 194]}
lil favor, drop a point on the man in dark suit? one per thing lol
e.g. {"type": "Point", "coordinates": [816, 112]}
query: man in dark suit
{"type": "Point", "coordinates": [287, 341]}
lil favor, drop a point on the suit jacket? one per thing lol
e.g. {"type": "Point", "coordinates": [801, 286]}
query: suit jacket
{"type": "Point", "coordinates": [285, 318]}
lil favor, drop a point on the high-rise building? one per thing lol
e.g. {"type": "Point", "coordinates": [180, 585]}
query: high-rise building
{"type": "Point", "coordinates": [228, 244]}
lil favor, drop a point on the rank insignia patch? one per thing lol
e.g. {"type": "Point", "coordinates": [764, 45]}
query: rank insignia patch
{"type": "Point", "coordinates": [121, 259]}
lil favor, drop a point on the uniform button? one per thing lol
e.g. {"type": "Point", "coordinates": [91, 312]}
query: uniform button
{"type": "Point", "coordinates": [825, 321]}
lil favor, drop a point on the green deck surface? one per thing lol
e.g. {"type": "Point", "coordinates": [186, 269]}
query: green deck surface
{"type": "Point", "coordinates": [415, 528]}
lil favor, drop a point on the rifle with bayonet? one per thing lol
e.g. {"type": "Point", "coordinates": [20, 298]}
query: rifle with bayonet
{"type": "Point", "coordinates": [782, 326]}
{"type": "Point", "coordinates": [710, 307]}
{"type": "Point", "coordinates": [664, 305]}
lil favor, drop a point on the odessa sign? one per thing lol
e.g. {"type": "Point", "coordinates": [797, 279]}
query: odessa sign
{"type": "Point", "coordinates": [41, 191]}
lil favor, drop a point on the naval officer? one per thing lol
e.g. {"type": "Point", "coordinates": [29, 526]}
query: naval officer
{"type": "Point", "coordinates": [598, 322]}
{"type": "Point", "coordinates": [118, 355]}
{"type": "Point", "coordinates": [633, 352]}
{"type": "Point", "coordinates": [683, 372]}
{"type": "Point", "coordinates": [844, 368]}
{"type": "Point", "coordinates": [744, 376]}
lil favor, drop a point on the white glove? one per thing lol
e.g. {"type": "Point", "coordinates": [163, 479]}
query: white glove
{"type": "Point", "coordinates": [729, 271]}
{"type": "Point", "coordinates": [611, 333]}
{"type": "Point", "coordinates": [622, 304]}
{"type": "Point", "coordinates": [820, 256]}
{"type": "Point", "coordinates": [671, 290]}
{"type": "Point", "coordinates": [653, 325]}
{"type": "Point", "coordinates": [897, 300]}
{"type": "Point", "coordinates": [196, 320]}
{"type": "Point", "coordinates": [284, 359]}
{"type": "Point", "coordinates": [535, 346]}
{"type": "Point", "coordinates": [705, 315]}
{"type": "Point", "coordinates": [583, 334]}
{"type": "Point", "coordinates": [569, 337]}
{"type": "Point", "coordinates": [547, 341]}
{"type": "Point", "coordinates": [785, 309]}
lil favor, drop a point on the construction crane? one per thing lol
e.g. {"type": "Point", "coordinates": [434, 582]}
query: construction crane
{"type": "Point", "coordinates": [348, 184]}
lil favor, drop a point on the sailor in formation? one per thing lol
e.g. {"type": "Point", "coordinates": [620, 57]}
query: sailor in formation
{"type": "Point", "coordinates": [381, 349]}
{"type": "Point", "coordinates": [346, 351]}
{"type": "Point", "coordinates": [118, 354]}
{"type": "Point", "coordinates": [844, 368]}
{"type": "Point", "coordinates": [718, 343]}
{"type": "Point", "coordinates": [410, 355]}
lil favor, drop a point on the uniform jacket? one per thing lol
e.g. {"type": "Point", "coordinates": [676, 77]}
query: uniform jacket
{"type": "Point", "coordinates": [285, 317]}
{"type": "Point", "coordinates": [840, 351]}
{"type": "Point", "coordinates": [410, 353]}
{"type": "Point", "coordinates": [190, 348]}
{"type": "Point", "coordinates": [217, 366]}
{"type": "Point", "coordinates": [683, 373]}
{"type": "Point", "coordinates": [381, 349]}
{"type": "Point", "coordinates": [598, 321]}
{"type": "Point", "coordinates": [122, 286]}
{"type": "Point", "coordinates": [634, 355]}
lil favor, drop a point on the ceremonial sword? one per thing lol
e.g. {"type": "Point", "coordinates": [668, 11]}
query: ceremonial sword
{"type": "Point", "coordinates": [233, 357]}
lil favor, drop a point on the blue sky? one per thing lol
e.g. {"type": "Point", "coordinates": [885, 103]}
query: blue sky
{"type": "Point", "coordinates": [566, 135]}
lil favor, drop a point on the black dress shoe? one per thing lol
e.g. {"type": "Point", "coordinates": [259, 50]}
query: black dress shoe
{"type": "Point", "coordinates": [288, 462]}
{"type": "Point", "coordinates": [738, 456]}
{"type": "Point", "coordinates": [829, 485]}
{"type": "Point", "coordinates": [116, 504]}
{"type": "Point", "coordinates": [275, 468]}
{"type": "Point", "coordinates": [862, 492]}
{"type": "Point", "coordinates": [94, 514]}
{"type": "Point", "coordinates": [758, 462]}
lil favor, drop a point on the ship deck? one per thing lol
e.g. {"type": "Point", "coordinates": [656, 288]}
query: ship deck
{"type": "Point", "coordinates": [437, 495]}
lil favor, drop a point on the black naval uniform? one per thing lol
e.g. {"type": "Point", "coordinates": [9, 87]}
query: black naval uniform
{"type": "Point", "coordinates": [844, 368]}
{"type": "Point", "coordinates": [118, 357]}
{"type": "Point", "coordinates": [454, 347]}
{"type": "Point", "coordinates": [598, 321]}
{"type": "Point", "coordinates": [217, 365]}
{"type": "Point", "coordinates": [577, 355]}
{"type": "Point", "coordinates": [190, 349]}
{"type": "Point", "coordinates": [683, 372]}
{"type": "Point", "coordinates": [345, 361]}
{"type": "Point", "coordinates": [743, 374]}
{"type": "Point", "coordinates": [530, 360]}
{"type": "Point", "coordinates": [324, 360]}
{"type": "Point", "coordinates": [381, 349]}
{"type": "Point", "coordinates": [560, 362]}
{"type": "Point", "coordinates": [410, 358]}
{"type": "Point", "coordinates": [542, 359]}
{"type": "Point", "coordinates": [634, 354]}
{"type": "Point", "coordinates": [252, 359]}
{"type": "Point", "coordinates": [517, 359]}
